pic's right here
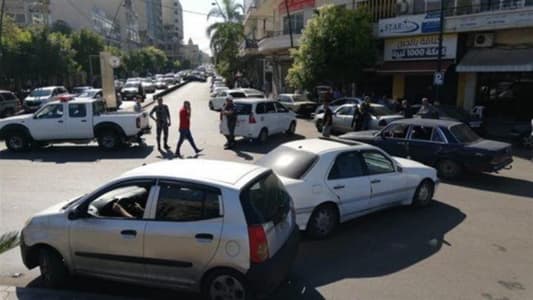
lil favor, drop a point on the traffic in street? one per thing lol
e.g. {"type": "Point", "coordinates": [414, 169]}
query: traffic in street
{"type": "Point", "coordinates": [473, 241]}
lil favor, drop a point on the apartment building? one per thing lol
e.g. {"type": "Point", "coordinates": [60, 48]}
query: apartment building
{"type": "Point", "coordinates": [172, 27]}
{"type": "Point", "coordinates": [28, 12]}
{"type": "Point", "coordinates": [150, 20]}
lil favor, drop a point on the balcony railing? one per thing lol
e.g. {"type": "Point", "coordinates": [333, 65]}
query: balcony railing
{"type": "Point", "coordinates": [489, 6]}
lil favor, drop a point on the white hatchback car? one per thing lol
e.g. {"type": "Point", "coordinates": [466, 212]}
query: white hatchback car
{"type": "Point", "coordinates": [258, 118]}
{"type": "Point", "coordinates": [332, 181]}
{"type": "Point", "coordinates": [225, 229]}
{"type": "Point", "coordinates": [217, 101]}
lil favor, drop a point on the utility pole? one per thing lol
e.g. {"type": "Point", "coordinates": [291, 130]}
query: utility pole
{"type": "Point", "coordinates": [438, 85]}
{"type": "Point", "coordinates": [289, 21]}
{"type": "Point", "coordinates": [2, 8]}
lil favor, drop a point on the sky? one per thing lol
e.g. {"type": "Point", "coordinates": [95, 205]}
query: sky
{"type": "Point", "coordinates": [195, 24]}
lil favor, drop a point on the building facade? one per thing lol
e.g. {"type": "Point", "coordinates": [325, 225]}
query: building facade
{"type": "Point", "coordinates": [150, 18]}
{"type": "Point", "coordinates": [28, 12]}
{"type": "Point", "coordinates": [172, 27]}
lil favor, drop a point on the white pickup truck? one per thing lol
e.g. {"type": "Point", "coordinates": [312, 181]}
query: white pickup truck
{"type": "Point", "coordinates": [78, 120]}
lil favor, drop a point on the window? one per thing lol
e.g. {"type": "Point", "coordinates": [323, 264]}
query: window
{"type": "Point", "coordinates": [126, 200]}
{"type": "Point", "coordinates": [265, 201]}
{"type": "Point", "coordinates": [421, 133]}
{"type": "Point", "coordinates": [270, 107]}
{"type": "Point", "coordinates": [183, 203]}
{"type": "Point", "coordinates": [8, 96]}
{"type": "Point", "coordinates": [297, 23]}
{"type": "Point", "coordinates": [377, 163]}
{"type": "Point", "coordinates": [280, 108]}
{"type": "Point", "coordinates": [463, 134]}
{"type": "Point", "coordinates": [288, 162]}
{"type": "Point", "coordinates": [396, 131]}
{"type": "Point", "coordinates": [285, 99]}
{"type": "Point", "coordinates": [52, 111]}
{"type": "Point", "coordinates": [237, 95]}
{"type": "Point", "coordinates": [436, 136]}
{"type": "Point", "coordinates": [242, 109]}
{"type": "Point", "coordinates": [77, 110]}
{"type": "Point", "coordinates": [346, 111]}
{"type": "Point", "coordinates": [98, 107]}
{"type": "Point", "coordinates": [347, 165]}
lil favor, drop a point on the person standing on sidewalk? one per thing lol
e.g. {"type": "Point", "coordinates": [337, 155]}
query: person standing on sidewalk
{"type": "Point", "coordinates": [185, 129]}
{"type": "Point", "coordinates": [138, 105]}
{"type": "Point", "coordinates": [162, 120]}
{"type": "Point", "coordinates": [228, 111]}
{"type": "Point", "coordinates": [328, 119]}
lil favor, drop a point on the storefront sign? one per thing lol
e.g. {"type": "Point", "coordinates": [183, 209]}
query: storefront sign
{"type": "Point", "coordinates": [409, 25]}
{"type": "Point", "coordinates": [295, 5]}
{"type": "Point", "coordinates": [420, 48]}
{"type": "Point", "coordinates": [490, 21]}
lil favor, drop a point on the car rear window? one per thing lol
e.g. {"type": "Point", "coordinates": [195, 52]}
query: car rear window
{"type": "Point", "coordinates": [242, 108]}
{"type": "Point", "coordinates": [265, 200]}
{"type": "Point", "coordinates": [288, 162]}
{"type": "Point", "coordinates": [238, 95]}
{"type": "Point", "coordinates": [464, 134]}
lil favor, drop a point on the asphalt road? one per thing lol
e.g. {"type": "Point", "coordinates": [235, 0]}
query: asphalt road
{"type": "Point", "coordinates": [474, 242]}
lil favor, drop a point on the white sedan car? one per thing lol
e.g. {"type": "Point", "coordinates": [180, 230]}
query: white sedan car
{"type": "Point", "coordinates": [332, 181]}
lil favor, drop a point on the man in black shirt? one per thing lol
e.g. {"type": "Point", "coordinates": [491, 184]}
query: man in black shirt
{"type": "Point", "coordinates": [228, 111]}
{"type": "Point", "coordinates": [162, 120]}
{"type": "Point", "coordinates": [328, 120]}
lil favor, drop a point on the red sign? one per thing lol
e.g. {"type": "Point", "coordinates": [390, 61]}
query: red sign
{"type": "Point", "coordinates": [295, 5]}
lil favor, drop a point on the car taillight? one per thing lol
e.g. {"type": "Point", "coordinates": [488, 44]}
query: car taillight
{"type": "Point", "coordinates": [138, 122]}
{"type": "Point", "coordinates": [258, 244]}
{"type": "Point", "coordinates": [251, 119]}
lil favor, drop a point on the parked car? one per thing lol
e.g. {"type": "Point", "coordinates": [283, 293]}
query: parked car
{"type": "Point", "coordinates": [96, 94]}
{"type": "Point", "coordinates": [161, 85]}
{"type": "Point", "coordinates": [253, 93]}
{"type": "Point", "coordinates": [78, 90]}
{"type": "Point", "coordinates": [380, 116]}
{"type": "Point", "coordinates": [78, 120]}
{"type": "Point", "coordinates": [217, 101]}
{"type": "Point", "coordinates": [257, 118]}
{"type": "Point", "coordinates": [333, 105]}
{"type": "Point", "coordinates": [216, 227]}
{"type": "Point", "coordinates": [298, 103]}
{"type": "Point", "coordinates": [41, 96]}
{"type": "Point", "coordinates": [9, 103]}
{"type": "Point", "coordinates": [450, 146]}
{"type": "Point", "coordinates": [148, 86]}
{"type": "Point", "coordinates": [218, 89]}
{"type": "Point", "coordinates": [452, 113]}
{"type": "Point", "coordinates": [133, 89]}
{"type": "Point", "coordinates": [332, 181]}
{"type": "Point", "coordinates": [217, 85]}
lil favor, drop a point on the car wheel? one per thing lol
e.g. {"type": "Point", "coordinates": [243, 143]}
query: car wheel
{"type": "Point", "coordinates": [108, 140]}
{"type": "Point", "coordinates": [322, 222]}
{"type": "Point", "coordinates": [17, 141]}
{"type": "Point", "coordinates": [424, 193]}
{"type": "Point", "coordinates": [292, 128]}
{"type": "Point", "coordinates": [448, 169]}
{"type": "Point", "coordinates": [226, 284]}
{"type": "Point", "coordinates": [54, 273]}
{"type": "Point", "coordinates": [319, 125]}
{"type": "Point", "coordinates": [263, 136]}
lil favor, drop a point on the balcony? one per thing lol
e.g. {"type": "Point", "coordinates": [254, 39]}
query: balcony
{"type": "Point", "coordinates": [276, 41]}
{"type": "Point", "coordinates": [248, 47]}
{"type": "Point", "coordinates": [256, 8]}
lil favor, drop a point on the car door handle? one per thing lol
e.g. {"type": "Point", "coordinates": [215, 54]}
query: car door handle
{"type": "Point", "coordinates": [338, 187]}
{"type": "Point", "coordinates": [60, 121]}
{"type": "Point", "coordinates": [84, 121]}
{"type": "Point", "coordinates": [204, 236]}
{"type": "Point", "coordinates": [129, 233]}
{"type": "Point", "coordinates": [375, 181]}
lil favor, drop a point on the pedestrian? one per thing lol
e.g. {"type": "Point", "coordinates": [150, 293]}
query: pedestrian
{"type": "Point", "coordinates": [427, 111]}
{"type": "Point", "coordinates": [138, 106]}
{"type": "Point", "coordinates": [328, 119]}
{"type": "Point", "coordinates": [162, 120]}
{"type": "Point", "coordinates": [365, 114]}
{"type": "Point", "coordinates": [357, 121]}
{"type": "Point", "coordinates": [228, 112]}
{"type": "Point", "coordinates": [185, 129]}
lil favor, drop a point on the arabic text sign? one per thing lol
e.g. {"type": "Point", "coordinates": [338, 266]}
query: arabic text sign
{"type": "Point", "coordinates": [409, 25]}
{"type": "Point", "coordinates": [420, 48]}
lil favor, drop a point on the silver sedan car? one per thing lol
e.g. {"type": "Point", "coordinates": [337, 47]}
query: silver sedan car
{"type": "Point", "coordinates": [225, 229]}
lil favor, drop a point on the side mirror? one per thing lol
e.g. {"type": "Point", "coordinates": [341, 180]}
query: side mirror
{"type": "Point", "coordinates": [76, 214]}
{"type": "Point", "coordinates": [399, 169]}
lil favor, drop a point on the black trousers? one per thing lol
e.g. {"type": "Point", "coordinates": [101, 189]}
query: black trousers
{"type": "Point", "coordinates": [164, 129]}
{"type": "Point", "coordinates": [231, 129]}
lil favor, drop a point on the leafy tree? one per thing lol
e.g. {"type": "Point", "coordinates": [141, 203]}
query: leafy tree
{"type": "Point", "coordinates": [61, 26]}
{"type": "Point", "coordinates": [86, 44]}
{"type": "Point", "coordinates": [336, 45]}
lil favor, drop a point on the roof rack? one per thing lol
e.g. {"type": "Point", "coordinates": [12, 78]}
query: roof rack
{"type": "Point", "coordinates": [339, 140]}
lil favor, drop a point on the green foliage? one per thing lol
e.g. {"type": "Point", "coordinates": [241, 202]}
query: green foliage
{"type": "Point", "coordinates": [86, 43]}
{"type": "Point", "coordinates": [145, 60]}
{"type": "Point", "coordinates": [61, 27]}
{"type": "Point", "coordinates": [8, 240]}
{"type": "Point", "coordinates": [336, 45]}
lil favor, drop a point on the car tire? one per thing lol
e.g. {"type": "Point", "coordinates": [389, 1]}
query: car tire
{"type": "Point", "coordinates": [226, 284]}
{"type": "Point", "coordinates": [323, 222]}
{"type": "Point", "coordinates": [424, 193]}
{"type": "Point", "coordinates": [448, 169]}
{"type": "Point", "coordinates": [263, 136]}
{"type": "Point", "coordinates": [54, 273]}
{"type": "Point", "coordinates": [17, 141]}
{"type": "Point", "coordinates": [319, 125]}
{"type": "Point", "coordinates": [292, 128]}
{"type": "Point", "coordinates": [109, 140]}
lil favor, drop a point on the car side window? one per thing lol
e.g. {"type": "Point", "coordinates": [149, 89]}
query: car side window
{"type": "Point", "coordinates": [377, 163]}
{"type": "Point", "coordinates": [396, 131]}
{"type": "Point", "coordinates": [124, 201]}
{"type": "Point", "coordinates": [182, 203]}
{"type": "Point", "coordinates": [436, 136]}
{"type": "Point", "coordinates": [52, 111]}
{"type": "Point", "coordinates": [421, 133]}
{"type": "Point", "coordinates": [77, 110]}
{"type": "Point", "coordinates": [260, 108]}
{"type": "Point", "coordinates": [347, 165]}
{"type": "Point", "coordinates": [280, 108]}
{"type": "Point", "coordinates": [345, 111]}
{"type": "Point", "coordinates": [270, 107]}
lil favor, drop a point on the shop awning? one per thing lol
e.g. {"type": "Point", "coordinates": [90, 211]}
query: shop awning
{"type": "Point", "coordinates": [496, 60]}
{"type": "Point", "coordinates": [420, 66]}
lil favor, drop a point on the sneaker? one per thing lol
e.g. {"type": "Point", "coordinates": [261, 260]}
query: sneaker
{"type": "Point", "coordinates": [167, 147]}
{"type": "Point", "coordinates": [177, 155]}
{"type": "Point", "coordinates": [199, 150]}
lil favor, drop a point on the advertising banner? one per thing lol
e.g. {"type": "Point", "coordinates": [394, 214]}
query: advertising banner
{"type": "Point", "coordinates": [420, 48]}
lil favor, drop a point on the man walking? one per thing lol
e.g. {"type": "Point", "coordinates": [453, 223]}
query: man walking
{"type": "Point", "coordinates": [328, 120]}
{"type": "Point", "coordinates": [162, 121]}
{"type": "Point", "coordinates": [228, 111]}
{"type": "Point", "coordinates": [185, 129]}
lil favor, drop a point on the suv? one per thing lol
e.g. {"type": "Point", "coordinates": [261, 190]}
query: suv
{"type": "Point", "coordinates": [40, 96]}
{"type": "Point", "coordinates": [217, 101]}
{"type": "Point", "coordinates": [223, 228]}
{"type": "Point", "coordinates": [259, 118]}
{"type": "Point", "coordinates": [9, 104]}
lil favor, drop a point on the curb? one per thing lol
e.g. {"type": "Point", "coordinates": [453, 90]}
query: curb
{"type": "Point", "coordinates": [165, 92]}
{"type": "Point", "coordinates": [13, 293]}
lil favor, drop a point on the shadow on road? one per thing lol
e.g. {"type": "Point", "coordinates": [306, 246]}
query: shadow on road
{"type": "Point", "coordinates": [497, 184]}
{"type": "Point", "coordinates": [64, 154]}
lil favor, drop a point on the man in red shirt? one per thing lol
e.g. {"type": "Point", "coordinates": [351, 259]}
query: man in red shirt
{"type": "Point", "coordinates": [185, 129]}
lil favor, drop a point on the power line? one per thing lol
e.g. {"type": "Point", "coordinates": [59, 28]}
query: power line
{"type": "Point", "coordinates": [183, 10]}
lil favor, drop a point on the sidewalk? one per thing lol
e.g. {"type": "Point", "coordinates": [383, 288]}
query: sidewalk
{"type": "Point", "coordinates": [13, 293]}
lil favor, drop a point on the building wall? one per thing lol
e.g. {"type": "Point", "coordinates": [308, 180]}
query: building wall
{"type": "Point", "coordinates": [27, 12]}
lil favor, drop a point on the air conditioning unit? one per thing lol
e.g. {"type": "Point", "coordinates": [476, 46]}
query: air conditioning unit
{"type": "Point", "coordinates": [483, 40]}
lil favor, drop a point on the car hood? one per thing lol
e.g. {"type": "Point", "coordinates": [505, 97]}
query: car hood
{"type": "Point", "coordinates": [20, 119]}
{"type": "Point", "coordinates": [42, 98]}
{"type": "Point", "coordinates": [357, 135]}
{"type": "Point", "coordinates": [488, 145]}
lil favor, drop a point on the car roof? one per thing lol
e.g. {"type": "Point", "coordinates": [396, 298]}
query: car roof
{"type": "Point", "coordinates": [6, 91]}
{"type": "Point", "coordinates": [49, 87]}
{"type": "Point", "coordinates": [427, 122]}
{"type": "Point", "coordinates": [324, 145]}
{"type": "Point", "coordinates": [253, 100]}
{"type": "Point", "coordinates": [200, 170]}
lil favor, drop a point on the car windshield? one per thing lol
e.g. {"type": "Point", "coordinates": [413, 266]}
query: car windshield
{"type": "Point", "coordinates": [288, 162]}
{"type": "Point", "coordinates": [131, 84]}
{"type": "Point", "coordinates": [41, 92]}
{"type": "Point", "coordinates": [464, 134]}
{"type": "Point", "coordinates": [381, 111]}
{"type": "Point", "coordinates": [299, 98]}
